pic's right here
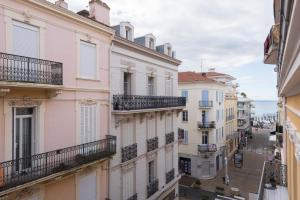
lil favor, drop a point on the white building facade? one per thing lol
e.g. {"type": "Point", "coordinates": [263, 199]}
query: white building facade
{"type": "Point", "coordinates": [203, 148]}
{"type": "Point", "coordinates": [144, 117]}
{"type": "Point", "coordinates": [244, 105]}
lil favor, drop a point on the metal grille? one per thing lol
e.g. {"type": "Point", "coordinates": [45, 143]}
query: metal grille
{"type": "Point", "coordinates": [207, 148]}
{"type": "Point", "coordinates": [137, 102]}
{"type": "Point", "coordinates": [45, 164]}
{"type": "Point", "coordinates": [152, 188]}
{"type": "Point", "coordinates": [206, 125]}
{"type": "Point", "coordinates": [129, 152]}
{"type": "Point", "coordinates": [170, 138]}
{"type": "Point", "coordinates": [152, 144]}
{"type": "Point", "coordinates": [16, 68]}
{"type": "Point", "coordinates": [170, 176]}
{"type": "Point", "coordinates": [205, 104]}
{"type": "Point", "coordinates": [133, 197]}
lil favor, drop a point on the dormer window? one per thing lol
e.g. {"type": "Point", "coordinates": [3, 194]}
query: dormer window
{"type": "Point", "coordinates": [128, 33]}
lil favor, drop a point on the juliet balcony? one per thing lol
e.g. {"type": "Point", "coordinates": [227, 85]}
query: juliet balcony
{"type": "Point", "coordinates": [138, 103]}
{"type": "Point", "coordinates": [206, 125]}
{"type": "Point", "coordinates": [170, 175]}
{"type": "Point", "coordinates": [129, 152]}
{"type": "Point", "coordinates": [205, 148]}
{"type": "Point", "coordinates": [205, 104]}
{"type": "Point", "coordinates": [21, 71]}
{"type": "Point", "coordinates": [271, 45]}
{"type": "Point", "coordinates": [49, 165]}
{"type": "Point", "coordinates": [152, 188]}
{"type": "Point", "coordinates": [152, 144]}
{"type": "Point", "coordinates": [170, 138]}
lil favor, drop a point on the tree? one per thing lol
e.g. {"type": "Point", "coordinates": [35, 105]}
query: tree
{"type": "Point", "coordinates": [243, 95]}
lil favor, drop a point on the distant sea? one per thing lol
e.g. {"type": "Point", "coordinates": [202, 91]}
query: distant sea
{"type": "Point", "coordinates": [264, 107]}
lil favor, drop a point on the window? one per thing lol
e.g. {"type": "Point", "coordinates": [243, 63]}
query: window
{"type": "Point", "coordinates": [169, 160]}
{"type": "Point", "coordinates": [217, 115]}
{"type": "Point", "coordinates": [217, 135]}
{"type": "Point", "coordinates": [150, 86]}
{"type": "Point", "coordinates": [128, 33]}
{"type": "Point", "coordinates": [25, 40]}
{"type": "Point", "coordinates": [88, 123]}
{"type": "Point", "coordinates": [205, 137]}
{"type": "Point", "coordinates": [88, 60]}
{"type": "Point", "coordinates": [88, 186]}
{"type": "Point", "coordinates": [128, 183]}
{"type": "Point", "coordinates": [217, 96]}
{"type": "Point", "coordinates": [185, 93]}
{"type": "Point", "coordinates": [222, 133]}
{"type": "Point", "coordinates": [169, 51]}
{"type": "Point", "coordinates": [151, 43]}
{"type": "Point", "coordinates": [151, 171]}
{"type": "Point", "coordinates": [169, 87]}
{"type": "Point", "coordinates": [185, 137]}
{"type": "Point", "coordinates": [127, 83]}
{"type": "Point", "coordinates": [185, 116]}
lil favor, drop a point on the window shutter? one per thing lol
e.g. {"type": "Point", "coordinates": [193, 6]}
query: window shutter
{"type": "Point", "coordinates": [186, 135]}
{"type": "Point", "coordinates": [169, 160]}
{"type": "Point", "coordinates": [88, 186]}
{"type": "Point", "coordinates": [88, 118]}
{"type": "Point", "coordinates": [26, 40]}
{"type": "Point", "coordinates": [128, 184]}
{"type": "Point", "coordinates": [88, 60]}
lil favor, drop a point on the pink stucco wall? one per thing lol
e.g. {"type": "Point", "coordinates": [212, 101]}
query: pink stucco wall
{"type": "Point", "coordinates": [60, 44]}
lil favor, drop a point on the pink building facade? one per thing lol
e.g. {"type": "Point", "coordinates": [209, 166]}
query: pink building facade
{"type": "Point", "coordinates": [54, 101]}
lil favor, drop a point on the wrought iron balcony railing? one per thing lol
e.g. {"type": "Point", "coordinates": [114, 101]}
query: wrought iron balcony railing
{"type": "Point", "coordinates": [170, 175]}
{"type": "Point", "coordinates": [137, 102]}
{"type": "Point", "coordinates": [14, 68]}
{"type": "Point", "coordinates": [152, 188]}
{"type": "Point", "coordinates": [24, 170]}
{"type": "Point", "coordinates": [206, 125]}
{"type": "Point", "coordinates": [133, 197]}
{"type": "Point", "coordinates": [180, 134]}
{"type": "Point", "coordinates": [152, 144]}
{"type": "Point", "coordinates": [230, 117]}
{"type": "Point", "coordinates": [170, 138]}
{"type": "Point", "coordinates": [274, 173]}
{"type": "Point", "coordinates": [129, 152]}
{"type": "Point", "coordinates": [203, 148]}
{"type": "Point", "coordinates": [205, 104]}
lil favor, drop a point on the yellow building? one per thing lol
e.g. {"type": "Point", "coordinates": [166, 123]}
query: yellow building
{"type": "Point", "coordinates": [282, 48]}
{"type": "Point", "coordinates": [230, 120]}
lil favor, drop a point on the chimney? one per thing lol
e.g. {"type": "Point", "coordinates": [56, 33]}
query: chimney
{"type": "Point", "coordinates": [61, 3]}
{"type": "Point", "coordinates": [99, 11]}
{"type": "Point", "coordinates": [211, 69]}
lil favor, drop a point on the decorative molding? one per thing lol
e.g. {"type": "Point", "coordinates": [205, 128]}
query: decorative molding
{"type": "Point", "coordinates": [151, 156]}
{"type": "Point", "coordinates": [26, 101]}
{"type": "Point", "coordinates": [127, 166]}
{"type": "Point", "coordinates": [27, 16]}
{"type": "Point", "coordinates": [27, 192]}
{"type": "Point", "coordinates": [161, 114]}
{"type": "Point", "coordinates": [142, 116]}
{"type": "Point", "coordinates": [119, 119]}
{"type": "Point", "coordinates": [4, 91]}
{"type": "Point", "coordinates": [127, 63]}
{"type": "Point", "coordinates": [88, 102]}
{"type": "Point", "coordinates": [53, 93]}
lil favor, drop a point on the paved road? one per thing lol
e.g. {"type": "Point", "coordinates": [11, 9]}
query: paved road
{"type": "Point", "coordinates": [246, 178]}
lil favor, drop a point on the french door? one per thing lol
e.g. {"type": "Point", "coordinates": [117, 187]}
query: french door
{"type": "Point", "coordinates": [24, 137]}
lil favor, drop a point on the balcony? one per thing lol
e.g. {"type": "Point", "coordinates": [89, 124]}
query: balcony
{"type": "Point", "coordinates": [206, 125]}
{"type": "Point", "coordinates": [31, 72]}
{"type": "Point", "coordinates": [180, 134]}
{"type": "Point", "coordinates": [152, 144]}
{"type": "Point", "coordinates": [205, 104]}
{"type": "Point", "coordinates": [129, 152]}
{"type": "Point", "coordinates": [170, 176]}
{"type": "Point", "coordinates": [170, 138]}
{"type": "Point", "coordinates": [271, 45]}
{"type": "Point", "coordinates": [273, 182]}
{"type": "Point", "coordinates": [137, 103]}
{"type": "Point", "coordinates": [230, 117]}
{"type": "Point", "coordinates": [279, 129]}
{"type": "Point", "coordinates": [25, 170]}
{"type": "Point", "coordinates": [204, 148]}
{"type": "Point", "coordinates": [152, 188]}
{"type": "Point", "coordinates": [133, 197]}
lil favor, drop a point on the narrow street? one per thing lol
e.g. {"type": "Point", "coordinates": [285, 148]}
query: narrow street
{"type": "Point", "coordinates": [246, 179]}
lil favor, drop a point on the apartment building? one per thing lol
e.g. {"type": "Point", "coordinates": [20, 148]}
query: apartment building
{"type": "Point", "coordinates": [144, 117]}
{"type": "Point", "coordinates": [244, 106]}
{"type": "Point", "coordinates": [203, 148]}
{"type": "Point", "coordinates": [281, 49]}
{"type": "Point", "coordinates": [231, 131]}
{"type": "Point", "coordinates": [54, 101]}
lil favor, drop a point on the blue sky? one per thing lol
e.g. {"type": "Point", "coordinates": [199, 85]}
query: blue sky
{"type": "Point", "coordinates": [225, 34]}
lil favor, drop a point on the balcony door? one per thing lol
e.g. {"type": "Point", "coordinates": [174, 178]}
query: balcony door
{"type": "Point", "coordinates": [204, 116]}
{"type": "Point", "coordinates": [24, 140]}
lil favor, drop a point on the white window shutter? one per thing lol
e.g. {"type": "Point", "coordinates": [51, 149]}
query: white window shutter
{"type": "Point", "coordinates": [88, 60]}
{"type": "Point", "coordinates": [88, 118]}
{"type": "Point", "coordinates": [128, 184]}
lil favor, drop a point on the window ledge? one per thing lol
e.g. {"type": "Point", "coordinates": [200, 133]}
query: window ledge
{"type": "Point", "coordinates": [88, 79]}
